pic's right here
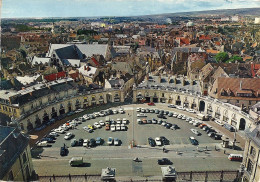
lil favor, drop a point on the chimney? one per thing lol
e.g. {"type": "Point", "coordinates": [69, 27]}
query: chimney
{"type": "Point", "coordinates": [240, 84]}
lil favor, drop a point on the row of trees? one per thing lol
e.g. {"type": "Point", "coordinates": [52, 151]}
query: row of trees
{"type": "Point", "coordinates": [223, 57]}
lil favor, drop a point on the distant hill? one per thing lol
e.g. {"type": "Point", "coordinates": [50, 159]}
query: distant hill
{"type": "Point", "coordinates": [225, 12]}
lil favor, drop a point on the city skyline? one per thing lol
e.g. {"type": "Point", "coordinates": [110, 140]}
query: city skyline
{"type": "Point", "coordinates": [90, 8]}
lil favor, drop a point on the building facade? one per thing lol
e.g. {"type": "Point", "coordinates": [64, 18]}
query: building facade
{"type": "Point", "coordinates": [15, 155]}
{"type": "Point", "coordinates": [169, 93]}
{"type": "Point", "coordinates": [36, 105]}
{"type": "Point", "coordinates": [251, 160]}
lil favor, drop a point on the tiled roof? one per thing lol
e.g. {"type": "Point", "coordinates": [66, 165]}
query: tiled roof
{"type": "Point", "coordinates": [248, 85]}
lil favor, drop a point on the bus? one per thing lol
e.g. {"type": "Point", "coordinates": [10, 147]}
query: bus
{"type": "Point", "coordinates": [235, 157]}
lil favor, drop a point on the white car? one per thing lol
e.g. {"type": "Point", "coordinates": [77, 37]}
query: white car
{"type": "Point", "coordinates": [164, 123]}
{"type": "Point", "coordinates": [86, 117]}
{"type": "Point", "coordinates": [85, 143]}
{"type": "Point", "coordinates": [68, 136]}
{"type": "Point", "coordinates": [115, 111]}
{"type": "Point", "coordinates": [110, 140]}
{"type": "Point", "coordinates": [96, 114]}
{"type": "Point", "coordinates": [141, 115]}
{"type": "Point", "coordinates": [102, 123]}
{"type": "Point", "coordinates": [138, 109]}
{"type": "Point", "coordinates": [121, 111]}
{"type": "Point", "coordinates": [55, 134]}
{"type": "Point", "coordinates": [59, 130]}
{"type": "Point", "coordinates": [175, 115]}
{"type": "Point", "coordinates": [143, 110]}
{"type": "Point", "coordinates": [179, 116]}
{"type": "Point", "coordinates": [42, 144]}
{"type": "Point", "coordinates": [116, 141]}
{"type": "Point", "coordinates": [123, 128]}
{"type": "Point", "coordinates": [191, 122]}
{"type": "Point", "coordinates": [118, 121]}
{"type": "Point", "coordinates": [97, 125]}
{"type": "Point", "coordinates": [219, 122]}
{"type": "Point", "coordinates": [191, 111]}
{"type": "Point", "coordinates": [113, 127]}
{"type": "Point", "coordinates": [196, 132]}
{"type": "Point", "coordinates": [124, 121]}
{"type": "Point", "coordinates": [101, 114]}
{"type": "Point", "coordinates": [183, 118]}
{"type": "Point", "coordinates": [158, 141]}
{"type": "Point", "coordinates": [118, 127]}
{"type": "Point", "coordinates": [196, 123]}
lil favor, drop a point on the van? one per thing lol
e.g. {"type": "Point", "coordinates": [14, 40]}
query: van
{"type": "Point", "coordinates": [76, 161]}
{"type": "Point", "coordinates": [235, 157]}
{"type": "Point", "coordinates": [202, 117]}
{"type": "Point", "coordinates": [229, 127]}
{"type": "Point", "coordinates": [107, 119]}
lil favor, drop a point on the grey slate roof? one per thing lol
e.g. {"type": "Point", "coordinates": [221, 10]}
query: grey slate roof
{"type": "Point", "coordinates": [67, 53]}
{"type": "Point", "coordinates": [90, 49]}
{"type": "Point", "coordinates": [12, 144]}
{"type": "Point", "coordinates": [254, 135]}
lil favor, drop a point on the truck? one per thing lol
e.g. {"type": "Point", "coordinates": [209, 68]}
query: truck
{"type": "Point", "coordinates": [76, 161]}
{"type": "Point", "coordinates": [202, 117]}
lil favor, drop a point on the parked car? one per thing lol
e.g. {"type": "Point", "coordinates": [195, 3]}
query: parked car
{"type": "Point", "coordinates": [164, 140]}
{"type": "Point", "coordinates": [48, 139]}
{"type": "Point", "coordinates": [158, 141]}
{"type": "Point", "coordinates": [76, 161]}
{"type": "Point", "coordinates": [107, 127]}
{"type": "Point", "coordinates": [168, 125]}
{"type": "Point", "coordinates": [174, 127]}
{"type": "Point", "coordinates": [102, 123]}
{"type": "Point", "coordinates": [73, 142]}
{"type": "Point", "coordinates": [80, 142]}
{"type": "Point", "coordinates": [68, 136]}
{"type": "Point", "coordinates": [55, 134]}
{"type": "Point", "coordinates": [64, 150]}
{"type": "Point", "coordinates": [59, 130]}
{"type": "Point", "coordinates": [110, 140]}
{"type": "Point", "coordinates": [42, 144]}
{"type": "Point", "coordinates": [92, 142]}
{"type": "Point", "coordinates": [97, 125]}
{"type": "Point", "coordinates": [99, 141]}
{"type": "Point", "coordinates": [121, 111]}
{"type": "Point", "coordinates": [171, 106]}
{"type": "Point", "coordinates": [164, 161]}
{"type": "Point", "coordinates": [123, 127]}
{"type": "Point", "coordinates": [151, 104]}
{"type": "Point", "coordinates": [141, 115]}
{"type": "Point", "coordinates": [151, 142]}
{"type": "Point", "coordinates": [118, 127]}
{"type": "Point", "coordinates": [219, 122]}
{"type": "Point", "coordinates": [116, 141]}
{"type": "Point", "coordinates": [124, 121]}
{"type": "Point", "coordinates": [196, 132]}
{"type": "Point", "coordinates": [85, 143]}
{"type": "Point", "coordinates": [138, 109]}
{"type": "Point", "coordinates": [113, 127]}
{"type": "Point", "coordinates": [193, 141]}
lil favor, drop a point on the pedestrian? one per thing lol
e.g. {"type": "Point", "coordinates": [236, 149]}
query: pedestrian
{"type": "Point", "coordinates": [197, 148]}
{"type": "Point", "coordinates": [206, 148]}
{"type": "Point", "coordinates": [215, 147]}
{"type": "Point", "coordinates": [224, 151]}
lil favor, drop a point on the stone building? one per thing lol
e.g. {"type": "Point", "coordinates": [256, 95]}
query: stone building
{"type": "Point", "coordinates": [183, 92]}
{"type": "Point", "coordinates": [15, 155]}
{"type": "Point", "coordinates": [251, 160]}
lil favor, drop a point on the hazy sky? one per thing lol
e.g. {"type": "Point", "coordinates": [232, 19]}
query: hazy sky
{"type": "Point", "coordinates": [77, 8]}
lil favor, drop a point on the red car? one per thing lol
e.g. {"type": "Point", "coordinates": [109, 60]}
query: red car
{"type": "Point", "coordinates": [151, 104]}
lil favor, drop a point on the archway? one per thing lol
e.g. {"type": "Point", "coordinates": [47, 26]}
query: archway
{"type": "Point", "coordinates": [178, 101]}
{"type": "Point", "coordinates": [69, 107]}
{"type": "Point", "coordinates": [109, 98]}
{"type": "Point", "coordinates": [202, 106]}
{"type": "Point", "coordinates": [62, 109]}
{"type": "Point", "coordinates": [29, 126]}
{"type": "Point", "coordinates": [45, 117]}
{"type": "Point", "coordinates": [37, 121]}
{"type": "Point", "coordinates": [77, 104]}
{"type": "Point", "coordinates": [242, 124]}
{"type": "Point", "coordinates": [53, 112]}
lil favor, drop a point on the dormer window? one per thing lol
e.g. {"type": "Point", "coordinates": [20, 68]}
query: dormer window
{"type": "Point", "coordinates": [223, 93]}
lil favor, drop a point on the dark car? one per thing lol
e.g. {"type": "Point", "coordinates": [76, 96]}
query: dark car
{"type": "Point", "coordinates": [48, 139]}
{"type": "Point", "coordinates": [164, 161]}
{"type": "Point", "coordinates": [210, 130]}
{"type": "Point", "coordinates": [64, 150]}
{"type": "Point", "coordinates": [217, 137]}
{"type": "Point", "coordinates": [175, 126]}
{"type": "Point", "coordinates": [99, 141]}
{"type": "Point", "coordinates": [166, 113]}
{"type": "Point", "coordinates": [168, 125]}
{"type": "Point", "coordinates": [151, 142]}
{"type": "Point", "coordinates": [161, 116]}
{"type": "Point", "coordinates": [160, 122]}
{"type": "Point", "coordinates": [92, 142]}
{"type": "Point", "coordinates": [194, 141]}
{"type": "Point", "coordinates": [164, 140]}
{"type": "Point", "coordinates": [50, 136]}
{"type": "Point", "coordinates": [149, 121]}
{"type": "Point", "coordinates": [156, 111]}
{"type": "Point", "coordinates": [80, 142]}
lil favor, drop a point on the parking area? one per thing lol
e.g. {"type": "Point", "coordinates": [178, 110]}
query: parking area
{"type": "Point", "coordinates": [181, 151]}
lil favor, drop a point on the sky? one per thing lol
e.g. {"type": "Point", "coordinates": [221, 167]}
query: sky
{"type": "Point", "coordinates": [89, 8]}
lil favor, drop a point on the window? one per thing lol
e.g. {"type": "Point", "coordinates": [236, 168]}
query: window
{"type": "Point", "coordinates": [24, 157]}
{"type": "Point", "coordinates": [249, 166]}
{"type": "Point", "coordinates": [162, 94]}
{"type": "Point", "coordinates": [10, 176]}
{"type": "Point", "coordinates": [252, 151]}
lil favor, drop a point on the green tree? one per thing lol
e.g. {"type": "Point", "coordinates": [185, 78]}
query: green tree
{"type": "Point", "coordinates": [222, 57]}
{"type": "Point", "coordinates": [235, 58]}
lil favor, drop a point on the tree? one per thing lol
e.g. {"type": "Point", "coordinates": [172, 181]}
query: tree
{"type": "Point", "coordinates": [235, 58]}
{"type": "Point", "coordinates": [222, 57]}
